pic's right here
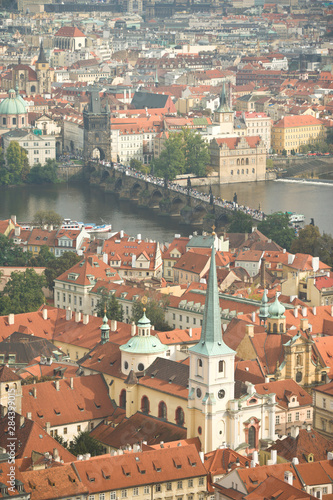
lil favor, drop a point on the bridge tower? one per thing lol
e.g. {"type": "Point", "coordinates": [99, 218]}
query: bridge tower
{"type": "Point", "coordinates": [97, 129]}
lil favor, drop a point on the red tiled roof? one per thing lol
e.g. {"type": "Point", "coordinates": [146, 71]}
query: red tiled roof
{"type": "Point", "coordinates": [297, 121]}
{"type": "Point", "coordinates": [232, 142]}
{"type": "Point", "coordinates": [69, 31]}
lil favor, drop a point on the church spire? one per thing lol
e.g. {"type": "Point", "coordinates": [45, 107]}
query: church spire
{"type": "Point", "coordinates": [105, 329]}
{"type": "Point", "coordinates": [211, 342]}
{"type": "Point", "coordinates": [224, 105]}
{"type": "Point", "coordinates": [42, 57]}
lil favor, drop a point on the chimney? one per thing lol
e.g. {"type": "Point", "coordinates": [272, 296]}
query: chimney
{"type": "Point", "coordinates": [68, 314]}
{"type": "Point", "coordinates": [314, 310]}
{"type": "Point", "coordinates": [253, 317]}
{"type": "Point", "coordinates": [263, 272]}
{"type": "Point", "coordinates": [77, 317]}
{"type": "Point", "coordinates": [296, 312]}
{"type": "Point", "coordinates": [255, 457]}
{"type": "Point", "coordinates": [17, 230]}
{"type": "Point", "coordinates": [202, 456]}
{"type": "Point", "coordinates": [190, 332]}
{"type": "Point", "coordinates": [121, 234]}
{"type": "Point", "coordinates": [34, 391]}
{"type": "Point", "coordinates": [295, 461]}
{"type": "Point", "coordinates": [294, 431]}
{"type": "Point", "coordinates": [113, 325]}
{"type": "Point", "coordinates": [57, 384]}
{"type": "Point", "coordinates": [47, 427]}
{"type": "Point", "coordinates": [274, 456]}
{"type": "Point", "coordinates": [330, 455]}
{"type": "Point", "coordinates": [253, 464]}
{"type": "Point", "coordinates": [304, 311]}
{"type": "Point", "coordinates": [85, 320]}
{"type": "Point", "coordinates": [291, 258]}
{"type": "Point", "coordinates": [22, 420]}
{"type": "Point", "coordinates": [45, 314]}
{"type": "Point", "coordinates": [105, 258]}
{"type": "Point", "coordinates": [13, 218]}
{"type": "Point", "coordinates": [133, 329]}
{"type": "Point", "coordinates": [139, 236]}
{"type": "Point", "coordinates": [55, 454]}
{"type": "Point", "coordinates": [71, 383]}
{"type": "Point", "coordinates": [288, 477]}
{"type": "Point", "coordinates": [249, 329]}
{"type": "Point", "coordinates": [11, 319]}
{"type": "Point", "coordinates": [304, 324]}
{"type": "Point", "coordinates": [29, 415]}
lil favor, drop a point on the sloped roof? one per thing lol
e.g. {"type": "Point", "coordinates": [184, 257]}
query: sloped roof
{"type": "Point", "coordinates": [69, 31]}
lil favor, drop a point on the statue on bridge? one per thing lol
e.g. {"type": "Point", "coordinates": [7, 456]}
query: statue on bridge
{"type": "Point", "coordinates": [211, 196]}
{"type": "Point", "coordinates": [189, 185]}
{"type": "Point", "coordinates": [235, 198]}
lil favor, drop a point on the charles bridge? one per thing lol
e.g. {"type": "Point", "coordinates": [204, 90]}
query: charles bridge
{"type": "Point", "coordinates": [168, 199]}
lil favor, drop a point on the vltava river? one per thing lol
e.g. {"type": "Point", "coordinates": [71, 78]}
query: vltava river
{"type": "Point", "coordinates": [90, 204]}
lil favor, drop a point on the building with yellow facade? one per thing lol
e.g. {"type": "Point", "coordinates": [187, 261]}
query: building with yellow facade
{"type": "Point", "coordinates": [292, 132]}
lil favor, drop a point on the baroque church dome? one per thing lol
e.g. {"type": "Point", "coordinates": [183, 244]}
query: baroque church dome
{"type": "Point", "coordinates": [13, 105]}
{"type": "Point", "coordinates": [276, 310]}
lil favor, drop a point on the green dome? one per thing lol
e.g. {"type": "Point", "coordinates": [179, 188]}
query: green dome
{"type": "Point", "coordinates": [144, 321]}
{"type": "Point", "coordinates": [276, 310]}
{"type": "Point", "coordinates": [144, 345]}
{"type": "Point", "coordinates": [13, 105]}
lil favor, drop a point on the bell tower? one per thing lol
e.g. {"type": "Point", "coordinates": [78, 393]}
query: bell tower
{"type": "Point", "coordinates": [97, 129]}
{"type": "Point", "coordinates": [211, 379]}
{"type": "Point", "coordinates": [43, 72]}
{"type": "Point", "coordinates": [224, 114]}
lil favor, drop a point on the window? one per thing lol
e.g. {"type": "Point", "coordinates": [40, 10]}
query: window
{"type": "Point", "coordinates": [158, 488]}
{"type": "Point", "coordinates": [145, 404]}
{"type": "Point", "coordinates": [91, 497]}
{"type": "Point", "coordinates": [308, 413]}
{"type": "Point", "coordinates": [277, 419]}
{"type": "Point", "coordinates": [179, 485]}
{"type": "Point", "coordinates": [289, 417]}
{"type": "Point", "coordinates": [162, 410]}
{"type": "Point", "coordinates": [169, 486]}
{"type": "Point", "coordinates": [65, 430]}
{"type": "Point", "coordinates": [78, 428]}
{"type": "Point", "coordinates": [123, 493]}
{"type": "Point", "coordinates": [190, 483]}
{"type": "Point", "coordinates": [102, 496]}
{"type": "Point", "coordinates": [113, 495]}
{"type": "Point", "coordinates": [201, 481]}
{"type": "Point", "coordinates": [180, 417]}
{"type": "Point", "coordinates": [324, 402]}
{"type": "Point", "coordinates": [221, 366]}
{"type": "Point", "coordinates": [146, 490]}
{"type": "Point", "coordinates": [135, 492]}
{"type": "Point", "coordinates": [122, 399]}
{"type": "Point", "coordinates": [297, 415]}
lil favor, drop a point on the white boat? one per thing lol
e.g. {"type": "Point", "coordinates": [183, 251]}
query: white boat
{"type": "Point", "coordinates": [296, 218]}
{"type": "Point", "coordinates": [90, 228]}
{"type": "Point", "coordinates": [104, 228]}
{"type": "Point", "coordinates": [71, 224]}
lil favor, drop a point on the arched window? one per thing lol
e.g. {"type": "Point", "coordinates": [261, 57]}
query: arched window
{"type": "Point", "coordinates": [221, 366]}
{"type": "Point", "coordinates": [162, 410]}
{"type": "Point", "coordinates": [122, 399]}
{"type": "Point", "coordinates": [238, 161]}
{"type": "Point", "coordinates": [180, 417]}
{"type": "Point", "coordinates": [252, 437]}
{"type": "Point", "coordinates": [274, 328]}
{"type": "Point", "coordinates": [242, 162]}
{"type": "Point", "coordinates": [246, 161]}
{"type": "Point", "coordinates": [145, 404]}
{"type": "Point", "coordinates": [33, 88]}
{"type": "Point", "coordinates": [281, 327]}
{"type": "Point", "coordinates": [299, 360]}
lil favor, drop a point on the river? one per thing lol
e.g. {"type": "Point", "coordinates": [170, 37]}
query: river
{"type": "Point", "coordinates": [91, 204]}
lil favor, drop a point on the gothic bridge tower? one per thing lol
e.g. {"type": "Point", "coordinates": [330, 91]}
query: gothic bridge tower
{"type": "Point", "coordinates": [97, 129]}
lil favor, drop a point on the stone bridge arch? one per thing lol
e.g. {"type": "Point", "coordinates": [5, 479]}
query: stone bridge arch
{"type": "Point", "coordinates": [155, 198]}
{"type": "Point", "coordinates": [198, 214]}
{"type": "Point", "coordinates": [118, 184]}
{"type": "Point", "coordinates": [177, 204]}
{"type": "Point", "coordinates": [135, 190]}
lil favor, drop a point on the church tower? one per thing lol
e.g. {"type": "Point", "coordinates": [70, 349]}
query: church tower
{"type": "Point", "coordinates": [211, 379]}
{"type": "Point", "coordinates": [43, 72]}
{"type": "Point", "coordinates": [224, 114]}
{"type": "Point", "coordinates": [276, 320]}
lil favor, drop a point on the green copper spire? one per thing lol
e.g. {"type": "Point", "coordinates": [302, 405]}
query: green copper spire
{"type": "Point", "coordinates": [223, 106]}
{"type": "Point", "coordinates": [105, 330]}
{"type": "Point", "coordinates": [211, 342]}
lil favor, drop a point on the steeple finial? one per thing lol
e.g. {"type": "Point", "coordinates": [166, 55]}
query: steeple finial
{"type": "Point", "coordinates": [211, 342]}
{"type": "Point", "coordinates": [105, 329]}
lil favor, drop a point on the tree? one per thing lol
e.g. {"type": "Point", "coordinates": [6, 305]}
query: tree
{"type": "Point", "coordinates": [196, 151]}
{"type": "Point", "coordinates": [44, 258]}
{"type": "Point", "coordinates": [17, 162]}
{"type": "Point", "coordinates": [61, 441]}
{"type": "Point", "coordinates": [171, 161]}
{"type": "Point", "coordinates": [49, 217]}
{"type": "Point", "coordinates": [138, 165]}
{"type": "Point", "coordinates": [43, 175]}
{"type": "Point", "coordinates": [22, 293]}
{"type": "Point", "coordinates": [155, 312]}
{"type": "Point", "coordinates": [310, 241]}
{"type": "Point", "coordinates": [109, 304]}
{"type": "Point", "coordinates": [84, 443]}
{"type": "Point", "coordinates": [11, 254]}
{"type": "Point", "coordinates": [240, 223]}
{"type": "Point", "coordinates": [276, 227]}
{"type": "Point", "coordinates": [60, 265]}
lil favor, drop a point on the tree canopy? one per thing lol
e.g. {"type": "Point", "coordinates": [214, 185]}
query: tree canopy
{"type": "Point", "coordinates": [59, 266]}
{"type": "Point", "coordinates": [17, 163]}
{"type": "Point", "coordinates": [11, 254]}
{"type": "Point", "coordinates": [49, 217]}
{"type": "Point", "coordinates": [276, 227]}
{"type": "Point", "coordinates": [184, 152]}
{"type": "Point", "coordinates": [22, 293]}
{"type": "Point", "coordinates": [155, 312]}
{"type": "Point", "coordinates": [312, 242]}
{"type": "Point", "coordinates": [84, 443]}
{"type": "Point", "coordinates": [109, 304]}
{"type": "Point", "coordinates": [43, 175]}
{"type": "Point", "coordinates": [240, 223]}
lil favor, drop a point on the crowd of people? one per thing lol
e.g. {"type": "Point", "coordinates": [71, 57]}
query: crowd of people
{"type": "Point", "coordinates": [256, 214]}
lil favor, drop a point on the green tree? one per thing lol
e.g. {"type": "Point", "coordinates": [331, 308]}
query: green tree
{"type": "Point", "coordinates": [269, 164]}
{"type": "Point", "coordinates": [49, 217]}
{"type": "Point", "coordinates": [284, 152]}
{"type": "Point", "coordinates": [61, 441]}
{"type": "Point", "coordinates": [310, 241]}
{"type": "Point", "coordinates": [196, 152]}
{"type": "Point", "coordinates": [17, 162]}
{"type": "Point", "coordinates": [43, 175]}
{"type": "Point", "coordinates": [60, 265]}
{"type": "Point", "coordinates": [155, 312]}
{"type": "Point", "coordinates": [22, 293]}
{"type": "Point", "coordinates": [44, 258]}
{"type": "Point", "coordinates": [171, 161]}
{"type": "Point", "coordinates": [240, 223]}
{"type": "Point", "coordinates": [109, 304]}
{"type": "Point", "coordinates": [138, 165]}
{"type": "Point", "coordinates": [84, 443]}
{"type": "Point", "coordinates": [276, 227]}
{"type": "Point", "coordinates": [11, 254]}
